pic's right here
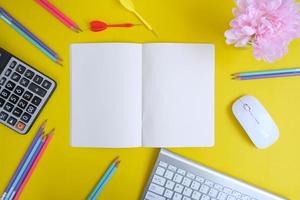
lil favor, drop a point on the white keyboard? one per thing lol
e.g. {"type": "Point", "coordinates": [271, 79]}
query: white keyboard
{"type": "Point", "coordinates": [177, 178]}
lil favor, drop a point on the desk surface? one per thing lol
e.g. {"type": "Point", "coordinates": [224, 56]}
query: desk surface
{"type": "Point", "coordinates": [70, 173]}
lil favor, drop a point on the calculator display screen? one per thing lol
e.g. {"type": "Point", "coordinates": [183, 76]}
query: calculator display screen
{"type": "Point", "coordinates": [4, 58]}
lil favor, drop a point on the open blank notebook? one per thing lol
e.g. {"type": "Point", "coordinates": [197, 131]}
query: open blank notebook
{"type": "Point", "coordinates": [142, 95]}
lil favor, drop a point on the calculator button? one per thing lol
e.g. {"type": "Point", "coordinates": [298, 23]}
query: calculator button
{"type": "Point", "coordinates": [2, 80]}
{"type": "Point", "coordinates": [22, 104]}
{"type": "Point", "coordinates": [38, 79]}
{"type": "Point", "coordinates": [12, 121]}
{"type": "Point", "coordinates": [7, 72]}
{"type": "Point", "coordinates": [8, 107]}
{"type": "Point", "coordinates": [13, 64]}
{"type": "Point", "coordinates": [10, 85]}
{"type": "Point", "coordinates": [16, 77]}
{"type": "Point", "coordinates": [37, 90]}
{"type": "Point", "coordinates": [36, 101]}
{"type": "Point", "coordinates": [20, 126]}
{"type": "Point", "coordinates": [24, 82]}
{"type": "Point", "coordinates": [13, 99]}
{"type": "Point", "coordinates": [25, 117]}
{"type": "Point", "coordinates": [19, 91]}
{"type": "Point", "coordinates": [4, 93]}
{"type": "Point", "coordinates": [3, 116]}
{"type": "Point", "coordinates": [31, 109]}
{"type": "Point", "coordinates": [17, 112]}
{"type": "Point", "coordinates": [27, 96]}
{"type": "Point", "coordinates": [46, 84]}
{"type": "Point", "coordinates": [21, 69]}
{"type": "Point", "coordinates": [29, 74]}
{"type": "Point", "coordinates": [2, 101]}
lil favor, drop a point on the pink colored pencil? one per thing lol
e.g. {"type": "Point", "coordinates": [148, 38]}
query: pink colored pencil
{"type": "Point", "coordinates": [59, 15]}
{"type": "Point", "coordinates": [49, 137]}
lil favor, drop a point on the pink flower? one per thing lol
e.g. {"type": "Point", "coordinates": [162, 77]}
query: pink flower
{"type": "Point", "coordinates": [268, 25]}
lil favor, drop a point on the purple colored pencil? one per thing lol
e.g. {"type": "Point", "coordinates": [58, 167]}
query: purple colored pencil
{"type": "Point", "coordinates": [268, 76]}
{"type": "Point", "coordinates": [38, 135]}
{"type": "Point", "coordinates": [20, 26]}
{"type": "Point", "coordinates": [36, 153]}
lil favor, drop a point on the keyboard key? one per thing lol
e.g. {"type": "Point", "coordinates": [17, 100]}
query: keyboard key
{"type": "Point", "coordinates": [17, 112]}
{"type": "Point", "coordinates": [168, 194]}
{"type": "Point", "coordinates": [156, 189]}
{"type": "Point", "coordinates": [187, 192]}
{"type": "Point", "coordinates": [222, 196]}
{"type": "Point", "coordinates": [186, 182]}
{"type": "Point", "coordinates": [169, 174]}
{"type": "Point", "coordinates": [31, 109]}
{"type": "Point", "coordinates": [15, 77]}
{"type": "Point", "coordinates": [245, 197]}
{"type": "Point", "coordinates": [209, 183]}
{"type": "Point", "coordinates": [152, 196]}
{"type": "Point", "coordinates": [186, 198]}
{"type": "Point", "coordinates": [163, 164]}
{"type": "Point", "coordinates": [21, 69]}
{"type": "Point", "coordinates": [2, 101]}
{"type": "Point", "coordinates": [13, 64]}
{"type": "Point", "coordinates": [190, 175]}
{"type": "Point", "coordinates": [24, 82]}
{"type": "Point", "coordinates": [22, 104]}
{"type": "Point", "coordinates": [172, 168]}
{"type": "Point", "coordinates": [181, 172]}
{"type": "Point", "coordinates": [227, 190]}
{"type": "Point", "coordinates": [8, 107]}
{"type": "Point", "coordinates": [160, 171]}
{"type": "Point", "coordinates": [29, 74]}
{"type": "Point", "coordinates": [37, 89]}
{"type": "Point", "coordinates": [204, 189]}
{"type": "Point", "coordinates": [3, 116]}
{"type": "Point", "coordinates": [195, 185]}
{"type": "Point", "coordinates": [2, 81]}
{"type": "Point", "coordinates": [205, 197]}
{"type": "Point", "coordinates": [177, 196]}
{"type": "Point", "coordinates": [177, 178]}
{"type": "Point", "coordinates": [5, 94]}
{"type": "Point", "coordinates": [12, 121]}
{"type": "Point", "coordinates": [196, 195]}
{"type": "Point", "coordinates": [213, 193]}
{"type": "Point", "coordinates": [10, 85]}
{"type": "Point", "coordinates": [200, 179]}
{"type": "Point", "coordinates": [21, 126]}
{"type": "Point", "coordinates": [178, 188]}
{"type": "Point", "coordinates": [236, 194]}
{"type": "Point", "coordinates": [13, 99]}
{"type": "Point", "coordinates": [27, 96]}
{"type": "Point", "coordinates": [19, 91]}
{"type": "Point", "coordinates": [170, 184]}
{"type": "Point", "coordinates": [231, 198]}
{"type": "Point", "coordinates": [159, 180]}
{"type": "Point", "coordinates": [38, 79]}
{"type": "Point", "coordinates": [36, 101]}
{"type": "Point", "coordinates": [218, 187]}
{"type": "Point", "coordinates": [25, 117]}
{"type": "Point", "coordinates": [46, 84]}
{"type": "Point", "coordinates": [7, 72]}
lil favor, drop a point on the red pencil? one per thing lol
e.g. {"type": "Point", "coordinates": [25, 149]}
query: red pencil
{"type": "Point", "coordinates": [59, 15]}
{"type": "Point", "coordinates": [49, 136]}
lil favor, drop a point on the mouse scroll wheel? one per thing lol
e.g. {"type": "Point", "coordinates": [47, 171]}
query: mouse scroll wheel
{"type": "Point", "coordinates": [246, 107]}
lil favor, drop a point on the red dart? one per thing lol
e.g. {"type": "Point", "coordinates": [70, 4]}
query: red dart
{"type": "Point", "coordinates": [97, 26]}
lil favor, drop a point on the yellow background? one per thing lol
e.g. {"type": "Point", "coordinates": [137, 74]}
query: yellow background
{"type": "Point", "coordinates": [66, 173]}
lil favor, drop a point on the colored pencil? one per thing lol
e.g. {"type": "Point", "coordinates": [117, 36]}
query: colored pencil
{"type": "Point", "coordinates": [267, 76]}
{"type": "Point", "coordinates": [104, 180]}
{"type": "Point", "coordinates": [32, 168]}
{"type": "Point", "coordinates": [268, 72]}
{"type": "Point", "coordinates": [23, 168]}
{"type": "Point", "coordinates": [38, 135]}
{"type": "Point", "coordinates": [59, 15]}
{"type": "Point", "coordinates": [29, 37]}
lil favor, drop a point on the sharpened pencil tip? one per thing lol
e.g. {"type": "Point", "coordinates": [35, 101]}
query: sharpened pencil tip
{"type": "Point", "coordinates": [44, 124]}
{"type": "Point", "coordinates": [117, 163]}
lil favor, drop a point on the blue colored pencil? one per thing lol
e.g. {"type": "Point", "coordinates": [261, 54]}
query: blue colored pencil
{"type": "Point", "coordinates": [11, 189]}
{"type": "Point", "coordinates": [267, 76]}
{"type": "Point", "coordinates": [104, 180]}
{"type": "Point", "coordinates": [30, 39]}
{"type": "Point", "coordinates": [268, 72]}
{"type": "Point", "coordinates": [23, 175]}
{"type": "Point", "coordinates": [38, 135]}
{"type": "Point", "coordinates": [25, 30]}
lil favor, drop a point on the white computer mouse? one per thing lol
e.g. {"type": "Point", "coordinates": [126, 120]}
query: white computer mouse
{"type": "Point", "coordinates": [256, 121]}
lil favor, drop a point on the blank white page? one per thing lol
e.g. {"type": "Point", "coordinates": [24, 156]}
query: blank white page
{"type": "Point", "coordinates": [106, 95]}
{"type": "Point", "coordinates": [178, 95]}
